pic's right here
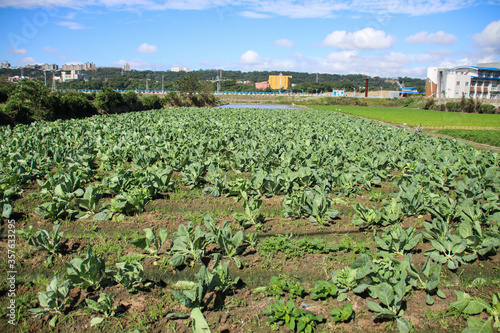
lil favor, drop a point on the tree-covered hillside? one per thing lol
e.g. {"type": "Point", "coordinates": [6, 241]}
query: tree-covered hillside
{"type": "Point", "coordinates": [117, 79]}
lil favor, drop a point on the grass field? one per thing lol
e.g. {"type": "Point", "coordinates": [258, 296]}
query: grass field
{"type": "Point", "coordinates": [414, 117]}
{"type": "Point", "coordinates": [491, 138]}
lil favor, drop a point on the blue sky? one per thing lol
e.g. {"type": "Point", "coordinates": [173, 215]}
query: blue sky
{"type": "Point", "coordinates": [386, 38]}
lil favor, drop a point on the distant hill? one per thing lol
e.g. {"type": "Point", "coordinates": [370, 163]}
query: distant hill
{"type": "Point", "coordinates": [116, 79]}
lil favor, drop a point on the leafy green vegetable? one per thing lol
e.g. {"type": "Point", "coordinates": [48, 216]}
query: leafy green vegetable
{"type": "Point", "coordinates": [42, 240]}
{"type": "Point", "coordinates": [87, 272]}
{"type": "Point", "coordinates": [294, 318]}
{"type": "Point", "coordinates": [150, 239]}
{"type": "Point", "coordinates": [189, 244]}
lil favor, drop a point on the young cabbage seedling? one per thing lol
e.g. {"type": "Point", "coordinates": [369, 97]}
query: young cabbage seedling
{"type": "Point", "coordinates": [150, 242]}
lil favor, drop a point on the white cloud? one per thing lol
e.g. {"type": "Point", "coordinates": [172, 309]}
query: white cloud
{"type": "Point", "coordinates": [440, 38]}
{"type": "Point", "coordinates": [48, 49]}
{"type": "Point", "coordinates": [17, 51]}
{"type": "Point", "coordinates": [250, 58]}
{"type": "Point", "coordinates": [265, 8]}
{"type": "Point", "coordinates": [146, 48]}
{"type": "Point", "coordinates": [432, 56]}
{"type": "Point", "coordinates": [284, 65]}
{"type": "Point", "coordinates": [69, 16]}
{"type": "Point", "coordinates": [342, 56]}
{"type": "Point", "coordinates": [284, 43]}
{"type": "Point", "coordinates": [489, 38]}
{"type": "Point", "coordinates": [63, 58]}
{"type": "Point", "coordinates": [26, 61]}
{"type": "Point", "coordinates": [364, 39]}
{"type": "Point", "coordinates": [387, 64]}
{"type": "Point", "coordinates": [298, 9]}
{"type": "Point", "coordinates": [71, 25]}
{"type": "Point", "coordinates": [251, 14]}
{"type": "Point", "coordinates": [450, 63]}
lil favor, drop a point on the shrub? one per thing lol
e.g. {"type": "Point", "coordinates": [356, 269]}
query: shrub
{"type": "Point", "coordinates": [171, 99]}
{"type": "Point", "coordinates": [110, 101]}
{"type": "Point", "coordinates": [488, 108]}
{"type": "Point", "coordinates": [429, 104]}
{"type": "Point", "coordinates": [72, 105]}
{"type": "Point", "coordinates": [131, 98]}
{"type": "Point", "coordinates": [453, 107]}
{"type": "Point", "coordinates": [151, 102]}
{"type": "Point", "coordinates": [6, 88]}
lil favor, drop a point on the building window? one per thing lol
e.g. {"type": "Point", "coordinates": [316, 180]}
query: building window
{"type": "Point", "coordinates": [466, 84]}
{"type": "Point", "coordinates": [458, 83]}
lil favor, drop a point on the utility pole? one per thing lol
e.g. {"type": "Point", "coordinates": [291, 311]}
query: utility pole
{"type": "Point", "coordinates": [45, 77]}
{"type": "Point", "coordinates": [162, 84]}
{"type": "Point", "coordinates": [280, 81]}
{"type": "Point", "coordinates": [317, 77]}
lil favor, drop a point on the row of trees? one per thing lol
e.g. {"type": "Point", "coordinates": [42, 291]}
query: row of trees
{"type": "Point", "coordinates": [117, 79]}
{"type": "Point", "coordinates": [30, 100]}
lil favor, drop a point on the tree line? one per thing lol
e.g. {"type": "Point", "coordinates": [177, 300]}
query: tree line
{"type": "Point", "coordinates": [31, 100]}
{"type": "Point", "coordinates": [115, 78]}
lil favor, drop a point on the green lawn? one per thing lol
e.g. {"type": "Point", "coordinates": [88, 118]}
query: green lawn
{"type": "Point", "coordinates": [414, 117]}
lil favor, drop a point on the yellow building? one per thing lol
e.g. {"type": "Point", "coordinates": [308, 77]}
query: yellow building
{"type": "Point", "coordinates": [280, 81]}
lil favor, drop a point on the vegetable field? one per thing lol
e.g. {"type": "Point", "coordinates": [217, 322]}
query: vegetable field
{"type": "Point", "coordinates": [246, 220]}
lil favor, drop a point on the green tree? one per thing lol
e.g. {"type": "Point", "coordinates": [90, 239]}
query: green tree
{"type": "Point", "coordinates": [6, 88]}
{"type": "Point", "coordinates": [189, 83]}
{"type": "Point", "coordinates": [29, 101]}
{"type": "Point", "coordinates": [110, 101]}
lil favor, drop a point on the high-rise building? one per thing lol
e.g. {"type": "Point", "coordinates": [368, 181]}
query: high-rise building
{"type": "Point", "coordinates": [280, 81]}
{"type": "Point", "coordinates": [126, 67]}
{"type": "Point", "coordinates": [78, 67]}
{"type": "Point", "coordinates": [5, 64]}
{"type": "Point", "coordinates": [47, 67]}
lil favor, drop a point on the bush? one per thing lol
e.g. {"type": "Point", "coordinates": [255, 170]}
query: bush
{"type": "Point", "coordinates": [151, 102]}
{"type": "Point", "coordinates": [6, 88]}
{"type": "Point", "coordinates": [453, 107]}
{"type": "Point", "coordinates": [171, 99]}
{"type": "Point", "coordinates": [72, 105]}
{"type": "Point", "coordinates": [131, 98]}
{"type": "Point", "coordinates": [429, 104]}
{"type": "Point", "coordinates": [488, 108]}
{"type": "Point", "coordinates": [110, 101]}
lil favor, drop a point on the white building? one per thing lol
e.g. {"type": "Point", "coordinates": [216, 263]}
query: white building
{"type": "Point", "coordinates": [180, 69]}
{"type": "Point", "coordinates": [469, 81]}
{"type": "Point", "coordinates": [70, 76]}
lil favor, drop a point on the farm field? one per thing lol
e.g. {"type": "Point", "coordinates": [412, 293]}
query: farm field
{"type": "Point", "coordinates": [428, 118]}
{"type": "Point", "coordinates": [246, 220]}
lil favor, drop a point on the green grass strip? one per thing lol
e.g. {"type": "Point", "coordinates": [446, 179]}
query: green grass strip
{"type": "Point", "coordinates": [491, 138]}
{"type": "Point", "coordinates": [414, 117]}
